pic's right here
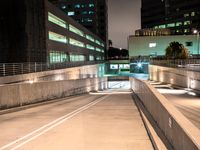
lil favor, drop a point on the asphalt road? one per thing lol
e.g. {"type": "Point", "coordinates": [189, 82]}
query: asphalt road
{"type": "Point", "coordinates": [186, 100]}
{"type": "Point", "coordinates": [107, 120]}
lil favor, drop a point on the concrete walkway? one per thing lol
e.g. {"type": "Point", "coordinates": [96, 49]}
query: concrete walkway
{"type": "Point", "coordinates": [109, 122]}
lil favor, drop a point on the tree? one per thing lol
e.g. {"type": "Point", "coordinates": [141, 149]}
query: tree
{"type": "Point", "coordinates": [110, 43]}
{"type": "Point", "coordinates": [113, 53]}
{"type": "Point", "coordinates": [176, 50]}
{"type": "Point", "coordinates": [124, 53]}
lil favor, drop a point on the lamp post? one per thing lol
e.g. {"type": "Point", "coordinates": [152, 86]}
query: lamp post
{"type": "Point", "coordinates": [197, 32]}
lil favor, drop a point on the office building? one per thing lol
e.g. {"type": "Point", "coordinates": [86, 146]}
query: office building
{"type": "Point", "coordinates": [37, 31]}
{"type": "Point", "coordinates": [92, 14]}
{"type": "Point", "coordinates": [146, 46]}
{"type": "Point", "coordinates": [180, 16]}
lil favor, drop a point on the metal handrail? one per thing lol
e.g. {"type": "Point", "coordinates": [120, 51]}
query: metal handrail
{"type": "Point", "coordinates": [189, 64]}
{"type": "Point", "coordinates": [10, 69]}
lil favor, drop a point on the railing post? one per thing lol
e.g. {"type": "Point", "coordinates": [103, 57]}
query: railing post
{"type": "Point", "coordinates": [13, 68]}
{"type": "Point", "coordinates": [35, 67]}
{"type": "Point", "coordinates": [29, 67]}
{"type": "Point", "coordinates": [40, 66]}
{"type": "Point", "coordinates": [4, 69]}
{"type": "Point", "coordinates": [22, 68]}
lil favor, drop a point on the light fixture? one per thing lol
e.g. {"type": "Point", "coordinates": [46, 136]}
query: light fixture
{"type": "Point", "coordinates": [139, 65]}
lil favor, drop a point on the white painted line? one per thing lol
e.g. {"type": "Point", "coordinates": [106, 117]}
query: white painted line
{"type": "Point", "coordinates": [50, 125]}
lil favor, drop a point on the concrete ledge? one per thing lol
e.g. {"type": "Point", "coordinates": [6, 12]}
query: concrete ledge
{"type": "Point", "coordinates": [158, 140]}
{"type": "Point", "coordinates": [66, 74]}
{"type": "Point", "coordinates": [179, 131]}
{"type": "Point", "coordinates": [13, 95]}
{"type": "Point", "coordinates": [15, 109]}
{"type": "Point", "coordinates": [175, 76]}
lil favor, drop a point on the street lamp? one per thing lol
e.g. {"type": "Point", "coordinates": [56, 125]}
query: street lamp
{"type": "Point", "coordinates": [197, 32]}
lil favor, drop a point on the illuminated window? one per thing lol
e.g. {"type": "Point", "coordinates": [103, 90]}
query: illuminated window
{"type": "Point", "coordinates": [178, 24]}
{"type": "Point", "coordinates": [98, 42]}
{"type": "Point", "coordinates": [91, 5]}
{"type": "Point", "coordinates": [98, 49]}
{"type": "Point", "coordinates": [88, 46]}
{"type": "Point", "coordinates": [91, 12]}
{"type": "Point", "coordinates": [52, 18]}
{"type": "Point", "coordinates": [91, 58]}
{"type": "Point", "coordinates": [77, 58]}
{"type": "Point", "coordinates": [57, 57]}
{"type": "Point", "coordinates": [84, 5]}
{"type": "Point", "coordinates": [102, 45]}
{"type": "Point", "coordinates": [187, 22]}
{"type": "Point", "coordinates": [193, 14]}
{"type": "Point", "coordinates": [113, 66]}
{"type": "Point", "coordinates": [84, 12]}
{"type": "Point", "coordinates": [76, 43]}
{"type": "Point", "coordinates": [90, 38]}
{"type": "Point", "coordinates": [87, 20]}
{"type": "Point", "coordinates": [77, 6]}
{"type": "Point", "coordinates": [75, 30]}
{"type": "Point", "coordinates": [186, 15]}
{"type": "Point", "coordinates": [186, 30]}
{"type": "Point", "coordinates": [171, 25]}
{"type": "Point", "coordinates": [161, 26]}
{"type": "Point", "coordinates": [57, 37]}
{"type": "Point", "coordinates": [124, 66]}
{"type": "Point", "coordinates": [156, 27]}
{"type": "Point", "coordinates": [98, 58]}
{"type": "Point", "coordinates": [63, 7]}
{"type": "Point", "coordinates": [71, 13]}
{"type": "Point", "coordinates": [151, 45]}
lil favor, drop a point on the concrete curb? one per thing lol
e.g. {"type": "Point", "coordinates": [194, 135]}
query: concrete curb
{"type": "Point", "coordinates": [156, 141]}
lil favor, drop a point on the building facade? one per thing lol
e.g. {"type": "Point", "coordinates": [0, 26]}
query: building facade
{"type": "Point", "coordinates": [180, 16]}
{"type": "Point", "coordinates": [92, 14]}
{"type": "Point", "coordinates": [37, 31]}
{"type": "Point", "coordinates": [146, 46]}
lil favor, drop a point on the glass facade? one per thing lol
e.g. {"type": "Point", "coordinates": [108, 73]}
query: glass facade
{"type": "Point", "coordinates": [54, 19]}
{"type": "Point", "coordinates": [88, 46]}
{"type": "Point", "coordinates": [76, 43]}
{"type": "Point", "coordinates": [98, 42]}
{"type": "Point", "coordinates": [91, 58]}
{"type": "Point", "coordinates": [90, 42]}
{"type": "Point", "coordinates": [98, 58]}
{"type": "Point", "coordinates": [57, 37]}
{"type": "Point", "coordinates": [75, 30]}
{"type": "Point", "coordinates": [171, 25]}
{"type": "Point", "coordinates": [71, 13]}
{"type": "Point", "coordinates": [90, 38]}
{"type": "Point", "coordinates": [102, 45]}
{"type": "Point", "coordinates": [99, 49]}
{"type": "Point", "coordinates": [77, 58]}
{"type": "Point", "coordinates": [91, 5]}
{"type": "Point", "coordinates": [57, 57]}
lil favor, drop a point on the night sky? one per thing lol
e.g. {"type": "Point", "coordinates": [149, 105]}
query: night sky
{"type": "Point", "coordinates": [123, 20]}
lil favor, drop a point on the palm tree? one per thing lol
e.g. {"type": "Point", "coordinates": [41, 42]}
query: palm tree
{"type": "Point", "coordinates": [176, 50]}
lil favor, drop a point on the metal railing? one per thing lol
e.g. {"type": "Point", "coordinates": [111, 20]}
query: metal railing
{"type": "Point", "coordinates": [189, 64]}
{"type": "Point", "coordinates": [9, 69]}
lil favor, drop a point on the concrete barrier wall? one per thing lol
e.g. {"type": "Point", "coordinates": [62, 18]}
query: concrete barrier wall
{"type": "Point", "coordinates": [180, 132]}
{"type": "Point", "coordinates": [65, 74]}
{"type": "Point", "coordinates": [175, 76]}
{"type": "Point", "coordinates": [20, 94]}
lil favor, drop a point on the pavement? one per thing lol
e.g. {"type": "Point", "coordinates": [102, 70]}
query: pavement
{"type": "Point", "coordinates": [186, 100]}
{"type": "Point", "coordinates": [105, 120]}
